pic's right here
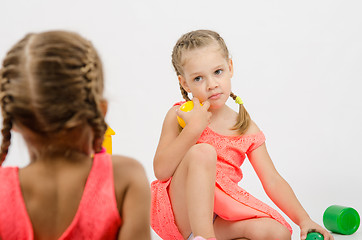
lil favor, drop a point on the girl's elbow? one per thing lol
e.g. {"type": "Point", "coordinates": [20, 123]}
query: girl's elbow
{"type": "Point", "coordinates": [161, 176]}
{"type": "Point", "coordinates": [160, 172]}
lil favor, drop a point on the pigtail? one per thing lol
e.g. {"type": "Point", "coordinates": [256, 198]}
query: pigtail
{"type": "Point", "coordinates": [243, 119]}
{"type": "Point", "coordinates": [9, 71]}
{"type": "Point", "coordinates": [6, 134]}
{"type": "Point", "coordinates": [184, 93]}
{"type": "Point", "coordinates": [97, 121]}
{"type": "Point", "coordinates": [7, 120]}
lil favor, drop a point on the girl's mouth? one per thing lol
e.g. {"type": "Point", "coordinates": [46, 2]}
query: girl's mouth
{"type": "Point", "coordinates": [215, 96]}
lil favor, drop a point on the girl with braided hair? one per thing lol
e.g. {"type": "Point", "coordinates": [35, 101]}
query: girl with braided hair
{"type": "Point", "coordinates": [198, 167]}
{"type": "Point", "coordinates": [51, 92]}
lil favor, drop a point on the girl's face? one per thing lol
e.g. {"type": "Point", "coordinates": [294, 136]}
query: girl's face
{"type": "Point", "coordinates": [207, 75]}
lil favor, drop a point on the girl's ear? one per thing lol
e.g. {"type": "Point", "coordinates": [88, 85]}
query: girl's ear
{"type": "Point", "coordinates": [15, 128]}
{"type": "Point", "coordinates": [104, 107]}
{"type": "Point", "coordinates": [231, 67]}
{"type": "Point", "coordinates": [97, 144]}
{"type": "Point", "coordinates": [183, 83]}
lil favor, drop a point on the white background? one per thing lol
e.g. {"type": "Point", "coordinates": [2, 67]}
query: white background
{"type": "Point", "coordinates": [298, 68]}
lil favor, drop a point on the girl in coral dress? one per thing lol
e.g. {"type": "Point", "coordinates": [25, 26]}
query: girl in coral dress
{"type": "Point", "coordinates": [198, 166]}
{"type": "Point", "coordinates": [52, 94]}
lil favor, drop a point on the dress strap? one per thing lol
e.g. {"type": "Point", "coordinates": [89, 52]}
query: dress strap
{"type": "Point", "coordinates": [12, 207]}
{"type": "Point", "coordinates": [179, 103]}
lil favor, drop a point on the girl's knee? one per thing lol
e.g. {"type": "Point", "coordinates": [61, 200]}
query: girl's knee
{"type": "Point", "coordinates": [202, 151]}
{"type": "Point", "coordinates": [279, 233]}
{"type": "Point", "coordinates": [273, 230]}
{"type": "Point", "coordinates": [202, 154]}
{"type": "Point", "coordinates": [283, 235]}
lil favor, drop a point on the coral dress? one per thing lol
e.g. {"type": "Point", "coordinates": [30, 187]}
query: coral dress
{"type": "Point", "coordinates": [97, 216]}
{"type": "Point", "coordinates": [231, 201]}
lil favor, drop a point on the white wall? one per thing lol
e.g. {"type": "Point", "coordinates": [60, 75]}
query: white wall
{"type": "Point", "coordinates": [298, 68]}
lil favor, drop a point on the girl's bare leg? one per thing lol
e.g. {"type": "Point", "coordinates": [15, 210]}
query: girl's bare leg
{"type": "Point", "coordinates": [192, 191]}
{"type": "Point", "coordinates": [255, 229]}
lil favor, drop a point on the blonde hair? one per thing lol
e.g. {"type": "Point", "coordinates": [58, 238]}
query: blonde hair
{"type": "Point", "coordinates": [197, 39]}
{"type": "Point", "coordinates": [51, 82]}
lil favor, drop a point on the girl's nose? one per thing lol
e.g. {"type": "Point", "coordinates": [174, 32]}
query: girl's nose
{"type": "Point", "coordinates": [212, 83]}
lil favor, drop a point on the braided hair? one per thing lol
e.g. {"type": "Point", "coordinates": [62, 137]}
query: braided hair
{"type": "Point", "coordinates": [51, 82]}
{"type": "Point", "coordinates": [197, 39]}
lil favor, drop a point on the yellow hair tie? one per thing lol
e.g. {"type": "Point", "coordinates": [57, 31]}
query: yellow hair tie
{"type": "Point", "coordinates": [238, 100]}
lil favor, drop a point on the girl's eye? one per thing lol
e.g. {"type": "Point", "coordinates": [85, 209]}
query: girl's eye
{"type": "Point", "coordinates": [218, 72]}
{"type": "Point", "coordinates": [197, 79]}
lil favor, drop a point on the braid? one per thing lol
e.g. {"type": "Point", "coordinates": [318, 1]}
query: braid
{"type": "Point", "coordinates": [97, 121]}
{"type": "Point", "coordinates": [184, 93]}
{"type": "Point", "coordinates": [7, 120]}
{"type": "Point", "coordinates": [243, 119]}
{"type": "Point", "coordinates": [8, 71]}
{"type": "Point", "coordinates": [6, 133]}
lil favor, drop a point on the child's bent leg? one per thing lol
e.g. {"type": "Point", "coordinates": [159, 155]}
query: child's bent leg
{"type": "Point", "coordinates": [256, 229]}
{"type": "Point", "coordinates": [192, 191]}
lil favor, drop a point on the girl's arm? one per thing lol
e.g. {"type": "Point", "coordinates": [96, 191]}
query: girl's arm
{"type": "Point", "coordinates": [134, 197]}
{"type": "Point", "coordinates": [174, 144]}
{"type": "Point", "coordinates": [281, 193]}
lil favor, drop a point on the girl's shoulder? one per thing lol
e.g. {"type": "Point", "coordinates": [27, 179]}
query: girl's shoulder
{"type": "Point", "coordinates": [173, 110]}
{"type": "Point", "coordinates": [126, 168]}
{"type": "Point", "coordinates": [132, 190]}
{"type": "Point", "coordinates": [172, 113]}
{"type": "Point", "coordinates": [128, 173]}
{"type": "Point", "coordinates": [252, 129]}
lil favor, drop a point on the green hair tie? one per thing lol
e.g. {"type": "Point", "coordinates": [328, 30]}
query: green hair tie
{"type": "Point", "coordinates": [238, 100]}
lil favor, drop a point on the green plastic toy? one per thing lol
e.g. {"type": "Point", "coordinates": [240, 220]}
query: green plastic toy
{"type": "Point", "coordinates": [340, 219]}
{"type": "Point", "coordinates": [314, 236]}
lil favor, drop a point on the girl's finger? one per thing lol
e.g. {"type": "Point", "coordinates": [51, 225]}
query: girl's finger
{"type": "Point", "coordinates": [206, 105]}
{"type": "Point", "coordinates": [303, 234]}
{"type": "Point", "coordinates": [196, 101]}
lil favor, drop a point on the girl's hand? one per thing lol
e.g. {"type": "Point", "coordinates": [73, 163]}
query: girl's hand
{"type": "Point", "coordinates": [310, 226]}
{"type": "Point", "coordinates": [199, 117]}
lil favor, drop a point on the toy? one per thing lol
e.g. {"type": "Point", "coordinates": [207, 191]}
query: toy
{"type": "Point", "coordinates": [340, 219]}
{"type": "Point", "coordinates": [107, 142]}
{"type": "Point", "coordinates": [186, 107]}
{"type": "Point", "coordinates": [314, 236]}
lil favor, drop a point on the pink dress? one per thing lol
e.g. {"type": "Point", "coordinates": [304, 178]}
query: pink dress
{"type": "Point", "coordinates": [97, 216]}
{"type": "Point", "coordinates": [231, 201]}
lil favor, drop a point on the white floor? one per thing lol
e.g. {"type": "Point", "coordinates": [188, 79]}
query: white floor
{"type": "Point", "coordinates": [356, 236]}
